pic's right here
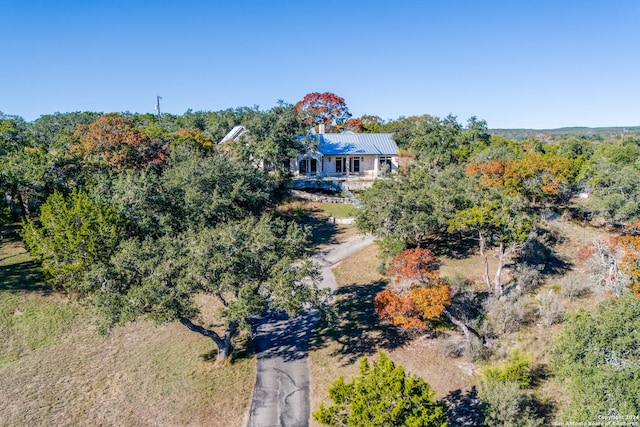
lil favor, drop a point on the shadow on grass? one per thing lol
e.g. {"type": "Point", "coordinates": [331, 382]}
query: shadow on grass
{"type": "Point", "coordinates": [24, 276]}
{"type": "Point", "coordinates": [464, 408]}
{"type": "Point", "coordinates": [9, 233]}
{"type": "Point", "coordinates": [19, 276]}
{"type": "Point", "coordinates": [356, 327]}
{"type": "Point", "coordinates": [538, 254]}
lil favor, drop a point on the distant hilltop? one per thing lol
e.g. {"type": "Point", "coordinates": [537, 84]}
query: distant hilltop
{"type": "Point", "coordinates": [551, 133]}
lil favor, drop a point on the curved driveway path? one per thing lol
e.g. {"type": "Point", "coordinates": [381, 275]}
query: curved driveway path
{"type": "Point", "coordinates": [281, 392]}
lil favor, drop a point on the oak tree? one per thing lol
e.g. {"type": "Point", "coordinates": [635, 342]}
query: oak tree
{"type": "Point", "coordinates": [249, 266]}
{"type": "Point", "coordinates": [498, 223]}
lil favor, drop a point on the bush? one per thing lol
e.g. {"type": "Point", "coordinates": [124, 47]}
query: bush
{"type": "Point", "coordinates": [506, 405]}
{"type": "Point", "coordinates": [382, 395]}
{"type": "Point", "coordinates": [549, 308]}
{"type": "Point", "coordinates": [573, 288]}
{"type": "Point", "coordinates": [5, 215]}
{"type": "Point", "coordinates": [598, 355]}
{"type": "Point", "coordinates": [501, 388]}
{"type": "Point", "coordinates": [526, 278]}
{"type": "Point", "coordinates": [516, 369]}
{"type": "Point", "coordinates": [507, 315]}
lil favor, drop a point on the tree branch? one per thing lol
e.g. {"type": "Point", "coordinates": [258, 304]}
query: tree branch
{"type": "Point", "coordinates": [201, 330]}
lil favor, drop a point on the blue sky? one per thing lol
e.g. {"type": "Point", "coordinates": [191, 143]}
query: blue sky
{"type": "Point", "coordinates": [533, 64]}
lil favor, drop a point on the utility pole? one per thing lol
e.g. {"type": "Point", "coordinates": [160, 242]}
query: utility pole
{"type": "Point", "coordinates": [157, 107]}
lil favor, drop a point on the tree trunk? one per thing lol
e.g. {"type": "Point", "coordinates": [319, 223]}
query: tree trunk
{"type": "Point", "coordinates": [485, 276]}
{"type": "Point", "coordinates": [23, 207]}
{"type": "Point", "coordinates": [222, 343]}
{"type": "Point", "coordinates": [459, 324]}
{"type": "Point", "coordinates": [467, 330]}
{"type": "Point", "coordinates": [497, 285]}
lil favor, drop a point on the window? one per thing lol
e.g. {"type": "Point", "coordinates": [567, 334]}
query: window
{"type": "Point", "coordinates": [385, 164]}
{"type": "Point", "coordinates": [303, 167]}
{"type": "Point", "coordinates": [314, 166]}
{"type": "Point", "coordinates": [340, 165]}
{"type": "Point", "coordinates": [356, 165]}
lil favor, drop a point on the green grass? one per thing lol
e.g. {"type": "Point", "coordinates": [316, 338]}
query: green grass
{"type": "Point", "coordinates": [338, 210]}
{"type": "Point", "coordinates": [30, 316]}
{"type": "Point", "coordinates": [28, 322]}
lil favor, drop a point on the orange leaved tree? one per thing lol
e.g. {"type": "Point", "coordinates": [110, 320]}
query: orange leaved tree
{"type": "Point", "coordinates": [539, 178]}
{"type": "Point", "coordinates": [322, 108]}
{"type": "Point", "coordinates": [114, 142]}
{"type": "Point", "coordinates": [419, 295]}
{"type": "Point", "coordinates": [629, 241]}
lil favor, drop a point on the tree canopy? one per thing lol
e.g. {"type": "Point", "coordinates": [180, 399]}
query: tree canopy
{"type": "Point", "coordinates": [323, 108]}
{"type": "Point", "coordinates": [598, 357]}
{"type": "Point", "coordinates": [382, 395]}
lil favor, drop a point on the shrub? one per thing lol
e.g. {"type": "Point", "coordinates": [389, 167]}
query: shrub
{"type": "Point", "coordinates": [5, 215]}
{"type": "Point", "coordinates": [507, 315]}
{"type": "Point", "coordinates": [573, 288]}
{"type": "Point", "coordinates": [526, 278]}
{"type": "Point", "coordinates": [516, 369]}
{"type": "Point", "coordinates": [598, 355]}
{"type": "Point", "coordinates": [501, 389]}
{"type": "Point", "coordinates": [549, 308]}
{"type": "Point", "coordinates": [506, 405]}
{"type": "Point", "coordinates": [382, 395]}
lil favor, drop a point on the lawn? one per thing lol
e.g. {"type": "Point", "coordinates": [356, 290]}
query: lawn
{"type": "Point", "coordinates": [56, 370]}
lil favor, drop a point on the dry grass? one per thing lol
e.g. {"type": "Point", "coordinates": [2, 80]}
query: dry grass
{"type": "Point", "coordinates": [358, 332]}
{"type": "Point", "coordinates": [56, 370]}
{"type": "Point", "coordinates": [336, 348]}
{"type": "Point", "coordinates": [141, 374]}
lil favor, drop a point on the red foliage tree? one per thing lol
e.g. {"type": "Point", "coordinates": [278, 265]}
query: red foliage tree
{"type": "Point", "coordinates": [426, 297]}
{"type": "Point", "coordinates": [414, 264]}
{"type": "Point", "coordinates": [322, 108]}
{"type": "Point", "coordinates": [353, 125]}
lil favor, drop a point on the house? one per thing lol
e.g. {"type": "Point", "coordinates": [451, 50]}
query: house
{"type": "Point", "coordinates": [349, 155]}
{"type": "Point", "coordinates": [233, 134]}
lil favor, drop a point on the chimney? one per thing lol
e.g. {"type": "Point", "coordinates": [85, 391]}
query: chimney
{"type": "Point", "coordinates": [321, 129]}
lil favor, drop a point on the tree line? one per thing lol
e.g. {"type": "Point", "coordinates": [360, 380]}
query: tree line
{"type": "Point", "coordinates": [141, 214]}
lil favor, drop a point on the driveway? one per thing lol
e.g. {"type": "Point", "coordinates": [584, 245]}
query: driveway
{"type": "Point", "coordinates": [281, 393]}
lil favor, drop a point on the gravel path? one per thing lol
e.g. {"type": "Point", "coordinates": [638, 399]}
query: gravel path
{"type": "Point", "coordinates": [281, 393]}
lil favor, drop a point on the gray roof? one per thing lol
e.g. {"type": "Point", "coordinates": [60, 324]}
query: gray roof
{"type": "Point", "coordinates": [356, 143]}
{"type": "Point", "coordinates": [233, 134]}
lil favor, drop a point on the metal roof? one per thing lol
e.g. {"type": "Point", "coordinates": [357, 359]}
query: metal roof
{"type": "Point", "coordinates": [356, 143]}
{"type": "Point", "coordinates": [233, 133]}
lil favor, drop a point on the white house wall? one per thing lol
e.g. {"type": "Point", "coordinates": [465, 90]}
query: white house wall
{"type": "Point", "coordinates": [326, 166]}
